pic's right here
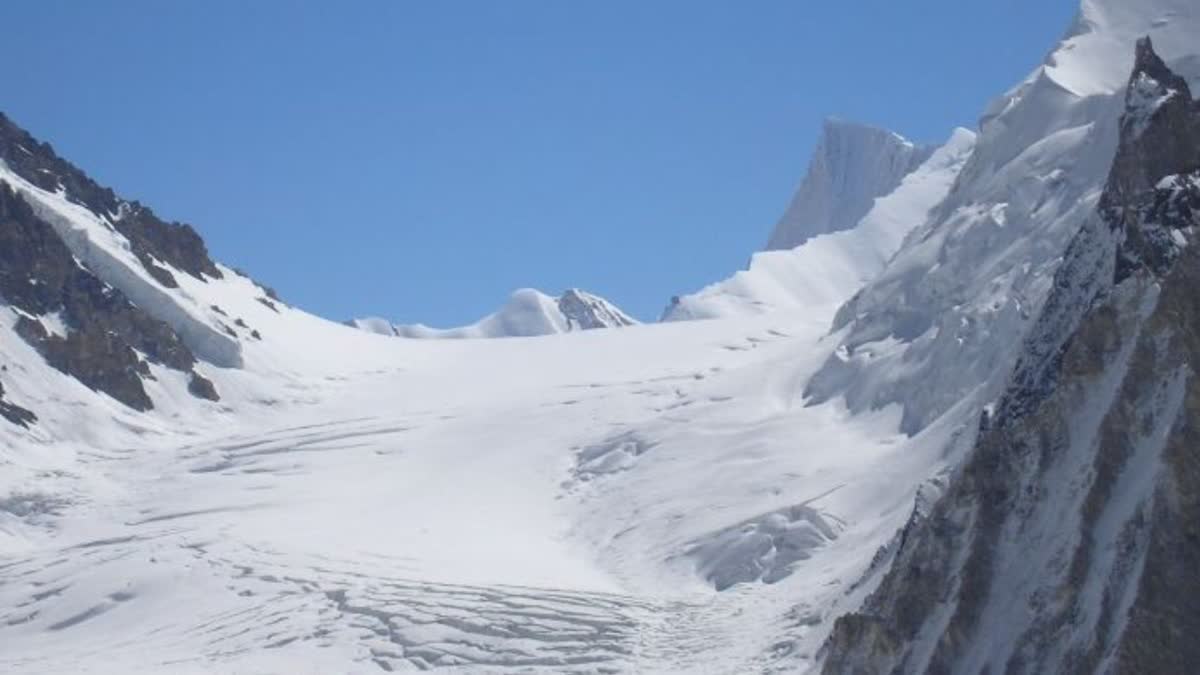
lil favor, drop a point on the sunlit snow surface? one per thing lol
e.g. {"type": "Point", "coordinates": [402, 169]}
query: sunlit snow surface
{"type": "Point", "coordinates": [359, 503]}
{"type": "Point", "coordinates": [553, 502]}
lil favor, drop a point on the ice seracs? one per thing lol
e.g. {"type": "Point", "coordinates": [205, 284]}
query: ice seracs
{"type": "Point", "coordinates": [944, 319]}
{"type": "Point", "coordinates": [527, 313]}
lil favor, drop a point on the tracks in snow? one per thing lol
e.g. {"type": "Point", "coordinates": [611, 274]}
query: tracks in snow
{"type": "Point", "coordinates": [122, 590]}
{"type": "Point", "coordinates": [261, 602]}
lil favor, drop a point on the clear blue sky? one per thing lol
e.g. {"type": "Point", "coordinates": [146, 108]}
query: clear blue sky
{"type": "Point", "coordinates": [420, 160]}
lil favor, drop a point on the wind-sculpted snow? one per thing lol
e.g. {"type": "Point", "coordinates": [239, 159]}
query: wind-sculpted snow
{"type": "Point", "coordinates": [853, 165]}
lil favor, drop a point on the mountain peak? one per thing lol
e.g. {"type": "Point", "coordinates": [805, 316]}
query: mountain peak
{"type": "Point", "coordinates": [585, 311]}
{"type": "Point", "coordinates": [853, 165]}
{"type": "Point", "coordinates": [527, 313]}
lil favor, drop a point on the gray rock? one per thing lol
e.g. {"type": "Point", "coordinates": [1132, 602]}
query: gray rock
{"type": "Point", "coordinates": [150, 237]}
{"type": "Point", "coordinates": [15, 413]}
{"type": "Point", "coordinates": [1069, 540]}
{"type": "Point", "coordinates": [107, 336]}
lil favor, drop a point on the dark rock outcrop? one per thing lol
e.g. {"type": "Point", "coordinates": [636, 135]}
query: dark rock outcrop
{"type": "Point", "coordinates": [15, 413]}
{"type": "Point", "coordinates": [1069, 540]}
{"type": "Point", "coordinates": [106, 335]}
{"type": "Point", "coordinates": [202, 387]}
{"type": "Point", "coordinates": [150, 237]}
{"type": "Point", "coordinates": [585, 311]}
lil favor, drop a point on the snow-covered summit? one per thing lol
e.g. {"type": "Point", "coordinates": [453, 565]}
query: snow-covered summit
{"type": "Point", "coordinates": [527, 313]}
{"type": "Point", "coordinates": [829, 268]}
{"type": "Point", "coordinates": [852, 166]}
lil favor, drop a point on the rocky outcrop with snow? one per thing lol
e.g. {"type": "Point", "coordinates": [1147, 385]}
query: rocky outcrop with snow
{"type": "Point", "coordinates": [527, 313]}
{"type": "Point", "coordinates": [828, 268]}
{"type": "Point", "coordinates": [853, 165]}
{"type": "Point", "coordinates": [110, 295]}
{"type": "Point", "coordinates": [1067, 542]}
{"type": "Point", "coordinates": [944, 320]}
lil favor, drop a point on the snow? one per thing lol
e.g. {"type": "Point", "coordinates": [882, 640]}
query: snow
{"type": "Point", "coordinates": [1146, 96]}
{"type": "Point", "coordinates": [961, 292]}
{"type": "Point", "coordinates": [570, 502]}
{"type": "Point", "coordinates": [683, 497]}
{"type": "Point", "coordinates": [853, 165]}
{"type": "Point", "coordinates": [413, 502]}
{"type": "Point", "coordinates": [1096, 56]}
{"type": "Point", "coordinates": [527, 313]}
{"type": "Point", "coordinates": [827, 269]}
{"type": "Point", "coordinates": [93, 241]}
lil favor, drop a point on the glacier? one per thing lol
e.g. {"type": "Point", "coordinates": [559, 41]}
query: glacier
{"type": "Point", "coordinates": [754, 484]}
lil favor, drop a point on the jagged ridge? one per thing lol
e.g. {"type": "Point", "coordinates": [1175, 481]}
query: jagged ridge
{"type": "Point", "coordinates": [1067, 543]}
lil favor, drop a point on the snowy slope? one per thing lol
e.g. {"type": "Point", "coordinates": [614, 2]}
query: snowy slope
{"type": "Point", "coordinates": [528, 312]}
{"type": "Point", "coordinates": [828, 268]}
{"type": "Point", "coordinates": [353, 502]}
{"type": "Point", "coordinates": [496, 504]}
{"type": "Point", "coordinates": [852, 166]}
{"type": "Point", "coordinates": [683, 497]}
{"type": "Point", "coordinates": [944, 318]}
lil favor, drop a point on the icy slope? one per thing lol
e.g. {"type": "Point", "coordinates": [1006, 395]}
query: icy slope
{"type": "Point", "coordinates": [1067, 542]}
{"type": "Point", "coordinates": [652, 499]}
{"type": "Point", "coordinates": [852, 166]}
{"type": "Point", "coordinates": [528, 312]}
{"type": "Point", "coordinates": [476, 505]}
{"type": "Point", "coordinates": [828, 268]}
{"type": "Point", "coordinates": [944, 319]}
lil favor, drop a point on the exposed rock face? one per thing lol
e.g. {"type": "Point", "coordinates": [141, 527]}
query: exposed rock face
{"type": "Point", "coordinates": [15, 413]}
{"type": "Point", "coordinates": [106, 335]}
{"type": "Point", "coordinates": [852, 165]}
{"type": "Point", "coordinates": [202, 387]}
{"type": "Point", "coordinates": [1069, 540]}
{"type": "Point", "coordinates": [151, 238]}
{"type": "Point", "coordinates": [585, 311]}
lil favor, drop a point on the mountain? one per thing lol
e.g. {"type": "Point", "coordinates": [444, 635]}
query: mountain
{"type": "Point", "coordinates": [828, 268]}
{"type": "Point", "coordinates": [954, 435]}
{"type": "Point", "coordinates": [1067, 542]}
{"type": "Point", "coordinates": [852, 166]}
{"type": "Point", "coordinates": [944, 320]}
{"type": "Point", "coordinates": [339, 501]}
{"type": "Point", "coordinates": [527, 313]}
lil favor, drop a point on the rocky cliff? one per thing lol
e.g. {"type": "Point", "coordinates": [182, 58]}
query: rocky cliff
{"type": "Point", "coordinates": [1069, 539]}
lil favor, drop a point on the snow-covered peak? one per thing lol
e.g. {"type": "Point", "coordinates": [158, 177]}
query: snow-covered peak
{"type": "Point", "coordinates": [527, 313]}
{"type": "Point", "coordinates": [956, 301]}
{"type": "Point", "coordinates": [1097, 53]}
{"type": "Point", "coordinates": [852, 165]}
{"type": "Point", "coordinates": [584, 311]}
{"type": "Point", "coordinates": [828, 268]}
